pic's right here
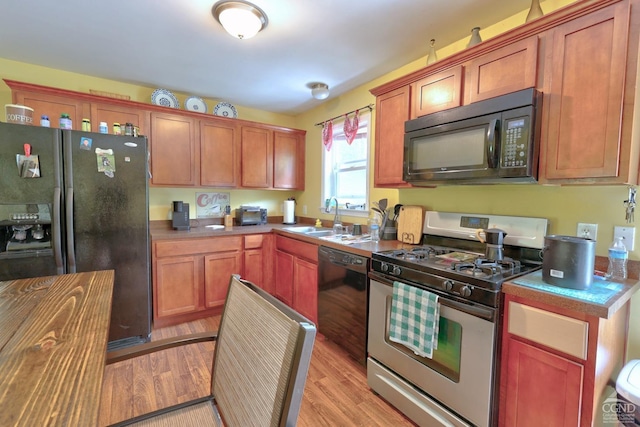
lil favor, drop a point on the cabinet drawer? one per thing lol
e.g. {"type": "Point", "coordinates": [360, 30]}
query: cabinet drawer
{"type": "Point", "coordinates": [197, 246]}
{"type": "Point", "coordinates": [253, 242]}
{"type": "Point", "coordinates": [300, 249]}
{"type": "Point", "coordinates": [559, 332]}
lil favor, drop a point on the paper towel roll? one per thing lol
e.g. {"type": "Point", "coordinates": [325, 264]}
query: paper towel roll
{"type": "Point", "coordinates": [289, 212]}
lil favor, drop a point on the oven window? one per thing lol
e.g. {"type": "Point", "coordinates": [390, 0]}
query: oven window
{"type": "Point", "coordinates": [447, 355]}
{"type": "Point", "coordinates": [446, 358]}
{"type": "Point", "coordinates": [449, 150]}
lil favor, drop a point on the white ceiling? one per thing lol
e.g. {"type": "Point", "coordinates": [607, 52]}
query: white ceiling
{"type": "Point", "coordinates": [179, 46]}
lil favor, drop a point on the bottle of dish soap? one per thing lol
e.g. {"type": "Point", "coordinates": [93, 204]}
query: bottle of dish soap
{"type": "Point", "coordinates": [618, 256]}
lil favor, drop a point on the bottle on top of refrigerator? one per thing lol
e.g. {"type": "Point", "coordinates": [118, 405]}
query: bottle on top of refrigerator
{"type": "Point", "coordinates": [44, 121]}
{"type": "Point", "coordinates": [65, 121]}
{"type": "Point", "coordinates": [86, 125]}
{"type": "Point", "coordinates": [103, 127]}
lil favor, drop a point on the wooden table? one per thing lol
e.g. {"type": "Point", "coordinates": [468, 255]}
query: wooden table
{"type": "Point", "coordinates": [53, 340]}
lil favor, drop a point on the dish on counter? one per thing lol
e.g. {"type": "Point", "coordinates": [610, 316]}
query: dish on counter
{"type": "Point", "coordinates": [225, 109]}
{"type": "Point", "coordinates": [193, 103]}
{"type": "Point", "coordinates": [164, 98]}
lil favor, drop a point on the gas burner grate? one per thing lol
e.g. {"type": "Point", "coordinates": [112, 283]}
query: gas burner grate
{"type": "Point", "coordinates": [487, 267]}
{"type": "Point", "coordinates": [418, 254]}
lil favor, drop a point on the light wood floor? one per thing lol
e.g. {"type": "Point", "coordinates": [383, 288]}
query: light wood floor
{"type": "Point", "coordinates": [336, 392]}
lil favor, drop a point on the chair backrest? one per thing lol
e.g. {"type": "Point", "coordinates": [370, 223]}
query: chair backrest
{"type": "Point", "coordinates": [261, 359]}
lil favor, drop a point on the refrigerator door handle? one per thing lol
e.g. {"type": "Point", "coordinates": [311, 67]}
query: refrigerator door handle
{"type": "Point", "coordinates": [57, 237]}
{"type": "Point", "coordinates": [71, 250]}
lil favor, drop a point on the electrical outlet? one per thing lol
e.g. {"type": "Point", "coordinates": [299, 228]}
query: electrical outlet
{"type": "Point", "coordinates": [628, 235]}
{"type": "Point", "coordinates": [589, 231]}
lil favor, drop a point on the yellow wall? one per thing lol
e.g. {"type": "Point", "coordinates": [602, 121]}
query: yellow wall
{"type": "Point", "coordinates": [563, 206]}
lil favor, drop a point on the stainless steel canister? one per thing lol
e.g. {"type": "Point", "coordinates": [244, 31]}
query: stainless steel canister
{"type": "Point", "coordinates": [568, 261]}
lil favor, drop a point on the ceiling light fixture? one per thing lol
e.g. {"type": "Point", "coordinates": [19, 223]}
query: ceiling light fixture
{"type": "Point", "coordinates": [241, 19]}
{"type": "Point", "coordinates": [319, 91]}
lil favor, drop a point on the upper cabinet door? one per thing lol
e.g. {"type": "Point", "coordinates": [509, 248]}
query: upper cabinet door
{"type": "Point", "coordinates": [257, 157]}
{"type": "Point", "coordinates": [508, 69]}
{"type": "Point", "coordinates": [288, 160]}
{"type": "Point", "coordinates": [174, 153]}
{"type": "Point", "coordinates": [118, 114]}
{"type": "Point", "coordinates": [53, 106]}
{"type": "Point", "coordinates": [584, 101]}
{"type": "Point", "coordinates": [392, 110]}
{"type": "Point", "coordinates": [219, 153]}
{"type": "Point", "coordinates": [437, 92]}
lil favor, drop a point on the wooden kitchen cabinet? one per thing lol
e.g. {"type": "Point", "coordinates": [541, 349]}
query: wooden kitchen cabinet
{"type": "Point", "coordinates": [174, 150]}
{"type": "Point", "coordinates": [288, 160]}
{"type": "Point", "coordinates": [103, 112]}
{"type": "Point", "coordinates": [257, 157]}
{"type": "Point", "coordinates": [584, 60]}
{"type": "Point", "coordinates": [557, 364]}
{"type": "Point", "coordinates": [191, 277]}
{"type": "Point", "coordinates": [51, 103]}
{"type": "Point", "coordinates": [258, 260]}
{"type": "Point", "coordinates": [219, 153]}
{"type": "Point", "coordinates": [392, 110]}
{"type": "Point", "coordinates": [508, 69]}
{"type": "Point", "coordinates": [176, 286]}
{"type": "Point", "coordinates": [296, 275]}
{"type": "Point", "coordinates": [305, 288]}
{"type": "Point", "coordinates": [587, 69]}
{"type": "Point", "coordinates": [186, 148]}
{"type": "Point", "coordinates": [437, 92]}
{"type": "Point", "coordinates": [541, 381]}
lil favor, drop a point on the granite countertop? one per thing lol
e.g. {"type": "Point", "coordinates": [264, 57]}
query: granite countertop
{"type": "Point", "coordinates": [602, 299]}
{"type": "Point", "coordinates": [162, 230]}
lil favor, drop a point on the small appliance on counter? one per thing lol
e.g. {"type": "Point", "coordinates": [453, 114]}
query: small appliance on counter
{"type": "Point", "coordinates": [289, 216]}
{"type": "Point", "coordinates": [181, 216]}
{"type": "Point", "coordinates": [251, 215]}
{"type": "Point", "coordinates": [568, 261]}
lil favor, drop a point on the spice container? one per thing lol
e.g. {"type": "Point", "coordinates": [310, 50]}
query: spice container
{"type": "Point", "coordinates": [116, 129]}
{"type": "Point", "coordinates": [128, 129]}
{"type": "Point", "coordinates": [86, 125]}
{"type": "Point", "coordinates": [44, 121]}
{"type": "Point", "coordinates": [103, 127]}
{"type": "Point", "coordinates": [65, 121]}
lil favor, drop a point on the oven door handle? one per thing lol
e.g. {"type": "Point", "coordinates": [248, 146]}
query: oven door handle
{"type": "Point", "coordinates": [474, 310]}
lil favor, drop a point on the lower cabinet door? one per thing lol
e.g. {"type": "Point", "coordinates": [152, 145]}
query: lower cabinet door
{"type": "Point", "coordinates": [305, 289]}
{"type": "Point", "coordinates": [543, 389]}
{"type": "Point", "coordinates": [218, 268]}
{"type": "Point", "coordinates": [177, 290]}
{"type": "Point", "coordinates": [253, 267]}
{"type": "Point", "coordinates": [284, 277]}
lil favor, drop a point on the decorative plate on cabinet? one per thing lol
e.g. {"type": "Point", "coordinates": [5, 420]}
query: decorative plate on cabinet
{"type": "Point", "coordinates": [226, 110]}
{"type": "Point", "coordinates": [193, 103]}
{"type": "Point", "coordinates": [164, 98]}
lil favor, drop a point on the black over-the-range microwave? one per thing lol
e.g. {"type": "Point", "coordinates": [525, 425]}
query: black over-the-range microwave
{"type": "Point", "coordinates": [487, 142]}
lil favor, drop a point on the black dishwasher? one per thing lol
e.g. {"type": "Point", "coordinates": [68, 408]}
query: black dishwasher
{"type": "Point", "coordinates": [342, 300]}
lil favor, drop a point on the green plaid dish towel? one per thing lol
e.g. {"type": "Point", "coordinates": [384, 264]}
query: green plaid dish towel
{"type": "Point", "coordinates": [415, 318]}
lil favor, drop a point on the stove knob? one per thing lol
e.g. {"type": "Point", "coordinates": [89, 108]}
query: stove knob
{"type": "Point", "coordinates": [384, 267]}
{"type": "Point", "coordinates": [396, 270]}
{"type": "Point", "coordinates": [447, 285]}
{"type": "Point", "coordinates": [465, 291]}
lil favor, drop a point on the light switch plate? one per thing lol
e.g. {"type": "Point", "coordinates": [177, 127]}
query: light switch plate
{"type": "Point", "coordinates": [628, 235]}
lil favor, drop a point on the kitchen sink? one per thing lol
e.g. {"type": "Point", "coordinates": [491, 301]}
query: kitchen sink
{"type": "Point", "coordinates": [300, 229]}
{"type": "Point", "coordinates": [319, 233]}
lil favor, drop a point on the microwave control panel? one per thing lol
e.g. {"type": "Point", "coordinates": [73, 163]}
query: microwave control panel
{"type": "Point", "coordinates": [515, 142]}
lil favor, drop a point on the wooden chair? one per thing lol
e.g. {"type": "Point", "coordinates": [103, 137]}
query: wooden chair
{"type": "Point", "coordinates": [260, 364]}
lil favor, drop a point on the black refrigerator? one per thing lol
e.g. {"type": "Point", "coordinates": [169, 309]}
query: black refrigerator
{"type": "Point", "coordinates": [74, 201]}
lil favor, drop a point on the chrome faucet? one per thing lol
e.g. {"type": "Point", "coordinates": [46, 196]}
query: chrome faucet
{"type": "Point", "coordinates": [327, 209]}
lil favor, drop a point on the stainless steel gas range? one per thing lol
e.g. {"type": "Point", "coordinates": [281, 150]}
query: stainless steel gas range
{"type": "Point", "coordinates": [458, 385]}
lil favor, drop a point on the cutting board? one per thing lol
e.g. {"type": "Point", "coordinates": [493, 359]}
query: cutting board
{"type": "Point", "coordinates": [410, 221]}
